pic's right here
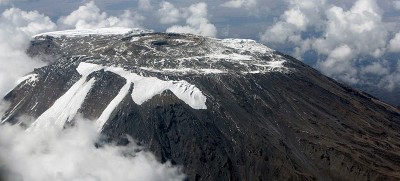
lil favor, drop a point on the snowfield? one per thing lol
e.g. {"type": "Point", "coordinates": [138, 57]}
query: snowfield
{"type": "Point", "coordinates": [144, 88]}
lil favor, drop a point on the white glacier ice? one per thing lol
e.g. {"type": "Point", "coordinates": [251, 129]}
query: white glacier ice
{"type": "Point", "coordinates": [144, 88]}
{"type": "Point", "coordinates": [31, 79]}
{"type": "Point", "coordinates": [245, 45]}
{"type": "Point", "coordinates": [147, 87]}
{"type": "Point", "coordinates": [112, 105]}
{"type": "Point", "coordinates": [66, 107]}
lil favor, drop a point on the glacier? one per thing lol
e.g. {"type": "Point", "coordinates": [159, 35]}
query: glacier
{"type": "Point", "coordinates": [144, 88]}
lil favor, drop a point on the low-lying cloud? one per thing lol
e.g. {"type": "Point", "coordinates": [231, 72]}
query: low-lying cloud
{"type": "Point", "coordinates": [17, 28]}
{"type": "Point", "coordinates": [73, 154]}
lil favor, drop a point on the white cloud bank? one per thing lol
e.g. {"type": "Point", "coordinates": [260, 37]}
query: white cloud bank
{"type": "Point", "coordinates": [340, 37]}
{"type": "Point", "coordinates": [396, 4]}
{"type": "Point", "coordinates": [299, 16]}
{"type": "Point", "coordinates": [195, 15]}
{"type": "Point", "coordinates": [168, 13]}
{"type": "Point", "coordinates": [240, 4]}
{"type": "Point", "coordinates": [394, 44]}
{"type": "Point", "coordinates": [145, 5]}
{"type": "Point", "coordinates": [90, 16]}
{"type": "Point", "coordinates": [71, 154]}
{"type": "Point", "coordinates": [17, 27]}
{"type": "Point", "coordinates": [4, 2]}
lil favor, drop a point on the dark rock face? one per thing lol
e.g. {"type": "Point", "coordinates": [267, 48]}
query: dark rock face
{"type": "Point", "coordinates": [288, 123]}
{"type": "Point", "coordinates": [392, 97]}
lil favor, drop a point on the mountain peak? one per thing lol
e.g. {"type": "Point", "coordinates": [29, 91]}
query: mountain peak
{"type": "Point", "coordinates": [167, 53]}
{"type": "Point", "coordinates": [223, 109]}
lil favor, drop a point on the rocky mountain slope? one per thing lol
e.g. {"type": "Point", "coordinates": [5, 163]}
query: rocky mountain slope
{"type": "Point", "coordinates": [223, 109]}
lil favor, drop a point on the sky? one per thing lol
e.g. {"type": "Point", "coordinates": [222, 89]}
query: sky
{"type": "Point", "coordinates": [355, 42]}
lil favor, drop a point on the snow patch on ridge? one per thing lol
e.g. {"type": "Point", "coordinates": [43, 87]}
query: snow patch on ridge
{"type": "Point", "coordinates": [272, 64]}
{"type": "Point", "coordinates": [232, 56]}
{"type": "Point", "coordinates": [187, 70]}
{"type": "Point", "coordinates": [112, 105]}
{"type": "Point", "coordinates": [66, 107]}
{"type": "Point", "coordinates": [145, 88]}
{"type": "Point", "coordinates": [246, 45]}
{"type": "Point", "coordinates": [100, 31]}
{"type": "Point", "coordinates": [30, 79]}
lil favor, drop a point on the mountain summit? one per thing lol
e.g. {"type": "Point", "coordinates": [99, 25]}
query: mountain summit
{"type": "Point", "coordinates": [224, 109]}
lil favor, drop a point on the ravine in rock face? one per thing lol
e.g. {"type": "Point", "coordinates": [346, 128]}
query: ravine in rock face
{"type": "Point", "coordinates": [226, 109]}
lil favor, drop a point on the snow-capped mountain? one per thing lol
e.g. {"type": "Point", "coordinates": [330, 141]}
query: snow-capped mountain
{"type": "Point", "coordinates": [224, 109]}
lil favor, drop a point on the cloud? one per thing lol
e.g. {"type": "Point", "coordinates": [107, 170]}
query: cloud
{"type": "Point", "coordinates": [299, 16]}
{"type": "Point", "coordinates": [240, 4]}
{"type": "Point", "coordinates": [197, 22]}
{"type": "Point", "coordinates": [17, 27]}
{"type": "Point", "coordinates": [4, 2]}
{"type": "Point", "coordinates": [396, 4]}
{"type": "Point", "coordinates": [89, 16]}
{"type": "Point", "coordinates": [168, 14]}
{"type": "Point", "coordinates": [335, 25]}
{"type": "Point", "coordinates": [394, 44]}
{"type": "Point", "coordinates": [361, 28]}
{"type": "Point", "coordinates": [3, 107]}
{"type": "Point", "coordinates": [376, 68]}
{"type": "Point", "coordinates": [145, 5]}
{"type": "Point", "coordinates": [74, 154]}
{"type": "Point", "coordinates": [350, 43]}
{"type": "Point", "coordinates": [337, 64]}
{"type": "Point", "coordinates": [391, 81]}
